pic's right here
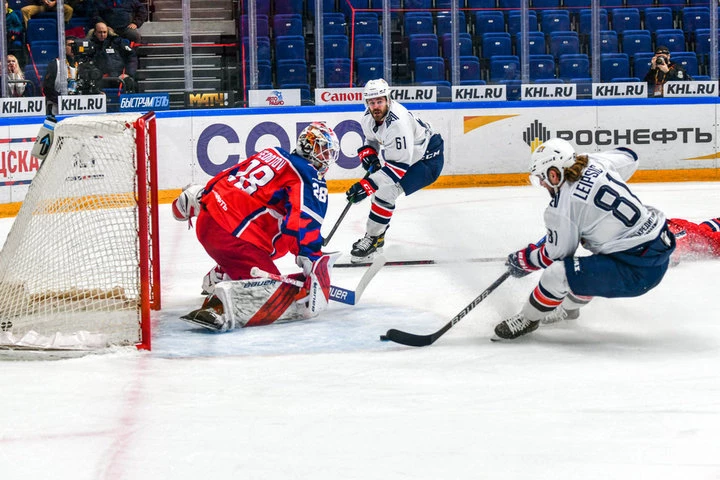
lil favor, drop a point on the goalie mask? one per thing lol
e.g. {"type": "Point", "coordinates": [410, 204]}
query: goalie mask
{"type": "Point", "coordinates": [319, 145]}
{"type": "Point", "coordinates": [555, 154]}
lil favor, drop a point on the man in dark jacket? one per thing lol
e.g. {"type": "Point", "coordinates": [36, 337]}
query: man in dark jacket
{"type": "Point", "coordinates": [124, 17]}
{"type": "Point", "coordinates": [114, 57]}
{"type": "Point", "coordinates": [663, 70]}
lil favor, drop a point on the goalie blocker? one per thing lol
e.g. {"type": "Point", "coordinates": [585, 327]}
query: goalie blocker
{"type": "Point", "coordinates": [255, 302]}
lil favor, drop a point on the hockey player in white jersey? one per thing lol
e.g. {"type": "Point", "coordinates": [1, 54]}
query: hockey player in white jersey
{"type": "Point", "coordinates": [591, 206]}
{"type": "Point", "coordinates": [403, 154]}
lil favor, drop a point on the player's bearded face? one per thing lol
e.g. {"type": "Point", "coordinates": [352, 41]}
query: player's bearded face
{"type": "Point", "coordinates": [378, 108]}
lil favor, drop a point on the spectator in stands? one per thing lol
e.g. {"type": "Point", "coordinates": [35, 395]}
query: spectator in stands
{"type": "Point", "coordinates": [52, 85]}
{"type": "Point", "coordinates": [16, 77]}
{"type": "Point", "coordinates": [114, 57]}
{"type": "Point", "coordinates": [15, 29]}
{"type": "Point", "coordinates": [40, 6]}
{"type": "Point", "coordinates": [663, 70]}
{"type": "Point", "coordinates": [124, 17]}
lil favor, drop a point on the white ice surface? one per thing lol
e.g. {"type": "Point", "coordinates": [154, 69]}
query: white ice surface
{"type": "Point", "coordinates": [631, 390]}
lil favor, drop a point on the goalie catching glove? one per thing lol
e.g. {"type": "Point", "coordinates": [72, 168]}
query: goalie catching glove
{"type": "Point", "coordinates": [187, 205]}
{"type": "Point", "coordinates": [369, 157]}
{"type": "Point", "coordinates": [520, 264]}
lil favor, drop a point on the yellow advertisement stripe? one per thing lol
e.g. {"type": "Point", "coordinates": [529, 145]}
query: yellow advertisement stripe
{"type": "Point", "coordinates": [471, 123]}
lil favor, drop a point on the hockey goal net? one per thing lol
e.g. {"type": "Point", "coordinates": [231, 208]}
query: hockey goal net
{"type": "Point", "coordinates": [80, 266]}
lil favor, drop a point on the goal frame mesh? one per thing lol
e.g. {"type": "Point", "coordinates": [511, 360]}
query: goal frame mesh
{"type": "Point", "coordinates": [121, 186]}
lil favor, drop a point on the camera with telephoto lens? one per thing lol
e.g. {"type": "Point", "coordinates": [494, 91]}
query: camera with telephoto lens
{"type": "Point", "coordinates": [660, 61]}
{"type": "Point", "coordinates": [88, 74]}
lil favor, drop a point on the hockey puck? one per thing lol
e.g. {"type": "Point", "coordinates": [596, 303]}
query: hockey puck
{"type": "Point", "coordinates": [384, 338]}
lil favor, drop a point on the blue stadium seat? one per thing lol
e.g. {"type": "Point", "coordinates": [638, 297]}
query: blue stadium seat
{"type": "Point", "coordinates": [626, 79]}
{"type": "Point", "coordinates": [514, 22]}
{"type": "Point", "coordinates": [497, 43]}
{"type": "Point", "coordinates": [636, 41]}
{"type": "Point", "coordinates": [290, 48]}
{"type": "Point", "coordinates": [305, 96]}
{"type": "Point", "coordinates": [261, 8]}
{"type": "Point", "coordinates": [641, 64]}
{"type": "Point", "coordinates": [423, 45]}
{"type": "Point", "coordinates": [555, 21]}
{"type": "Point", "coordinates": [541, 5]}
{"type": "Point", "coordinates": [262, 26]}
{"type": "Point", "coordinates": [541, 67]}
{"type": "Point", "coordinates": [334, 23]}
{"type": "Point", "coordinates": [291, 72]}
{"type": "Point", "coordinates": [443, 23]}
{"type": "Point", "coordinates": [504, 67]}
{"type": "Point", "coordinates": [611, 5]}
{"type": "Point", "coordinates": [695, 18]}
{"type": "Point", "coordinates": [417, 4]}
{"type": "Point", "coordinates": [702, 44]}
{"type": "Point", "coordinates": [574, 6]}
{"type": "Point", "coordinates": [585, 22]}
{"type": "Point", "coordinates": [288, 6]}
{"type": "Point", "coordinates": [481, 4]}
{"type": "Point", "coordinates": [347, 6]}
{"type": "Point", "coordinates": [366, 23]}
{"type": "Point", "coordinates": [676, 6]}
{"type": "Point", "coordinates": [573, 66]}
{"type": "Point", "coordinates": [43, 51]}
{"type": "Point", "coordinates": [417, 23]}
{"type": "Point", "coordinates": [507, 5]}
{"type": "Point", "coordinates": [263, 49]}
{"type": "Point", "coordinates": [658, 18]}
{"type": "Point", "coordinates": [429, 69]}
{"type": "Point", "coordinates": [688, 60]}
{"type": "Point", "coordinates": [489, 21]}
{"type": "Point", "coordinates": [287, 24]}
{"type": "Point", "coordinates": [583, 86]}
{"type": "Point", "coordinates": [614, 65]}
{"type": "Point", "coordinates": [444, 89]}
{"type": "Point", "coordinates": [470, 70]}
{"type": "Point", "coordinates": [464, 45]}
{"type": "Point", "coordinates": [36, 78]}
{"type": "Point", "coordinates": [512, 89]}
{"type": "Point", "coordinates": [328, 6]}
{"type": "Point", "coordinates": [564, 42]}
{"type": "Point", "coordinates": [41, 29]}
{"type": "Point", "coordinates": [368, 69]}
{"type": "Point", "coordinates": [609, 41]}
{"type": "Point", "coordinates": [672, 38]}
{"type": "Point", "coordinates": [625, 19]}
{"type": "Point", "coordinates": [336, 46]}
{"type": "Point", "coordinates": [337, 72]}
{"type": "Point", "coordinates": [264, 77]}
{"type": "Point", "coordinates": [367, 46]}
{"type": "Point", "coordinates": [536, 43]}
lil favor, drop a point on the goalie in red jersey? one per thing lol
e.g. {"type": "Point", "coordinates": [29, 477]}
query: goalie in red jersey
{"type": "Point", "coordinates": [695, 241]}
{"type": "Point", "coordinates": [252, 213]}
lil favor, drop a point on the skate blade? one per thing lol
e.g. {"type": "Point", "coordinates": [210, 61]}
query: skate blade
{"type": "Point", "coordinates": [193, 317]}
{"type": "Point", "coordinates": [366, 259]}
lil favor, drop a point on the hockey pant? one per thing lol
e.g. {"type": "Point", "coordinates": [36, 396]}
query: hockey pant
{"type": "Point", "coordinates": [417, 177]}
{"type": "Point", "coordinates": [248, 303]}
{"type": "Point", "coordinates": [573, 281]}
{"type": "Point", "coordinates": [695, 241]}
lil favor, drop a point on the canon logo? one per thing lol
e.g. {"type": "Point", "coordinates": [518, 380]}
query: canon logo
{"type": "Point", "coordinates": [341, 96]}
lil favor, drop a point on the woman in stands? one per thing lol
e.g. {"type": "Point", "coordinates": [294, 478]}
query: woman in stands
{"type": "Point", "coordinates": [16, 77]}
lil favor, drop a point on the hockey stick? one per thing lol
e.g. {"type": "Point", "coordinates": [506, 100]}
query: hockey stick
{"type": "Point", "coordinates": [338, 294]}
{"type": "Point", "coordinates": [406, 263]}
{"type": "Point", "coordinates": [340, 219]}
{"type": "Point", "coordinates": [414, 340]}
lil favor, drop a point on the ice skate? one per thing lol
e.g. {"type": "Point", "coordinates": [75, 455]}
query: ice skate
{"type": "Point", "coordinates": [364, 250]}
{"type": "Point", "coordinates": [560, 314]}
{"type": "Point", "coordinates": [208, 318]}
{"type": "Point", "coordinates": [515, 327]}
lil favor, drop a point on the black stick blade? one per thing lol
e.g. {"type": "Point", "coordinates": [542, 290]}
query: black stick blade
{"type": "Point", "coordinates": [410, 339]}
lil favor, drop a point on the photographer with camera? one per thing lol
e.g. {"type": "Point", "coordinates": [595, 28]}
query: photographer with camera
{"type": "Point", "coordinates": [663, 70]}
{"type": "Point", "coordinates": [113, 59]}
{"type": "Point", "coordinates": [52, 85]}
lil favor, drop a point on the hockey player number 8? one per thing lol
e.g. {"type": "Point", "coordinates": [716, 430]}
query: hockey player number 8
{"type": "Point", "coordinates": [619, 206]}
{"type": "Point", "coordinates": [254, 176]}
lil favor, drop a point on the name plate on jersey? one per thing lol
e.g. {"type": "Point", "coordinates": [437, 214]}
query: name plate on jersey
{"type": "Point", "coordinates": [479, 93]}
{"type": "Point", "coordinates": [691, 89]}
{"type": "Point", "coordinates": [408, 94]}
{"type": "Point", "coordinates": [280, 97]}
{"type": "Point", "coordinates": [22, 106]}
{"type": "Point", "coordinates": [78, 104]}
{"type": "Point", "coordinates": [620, 90]}
{"type": "Point", "coordinates": [548, 91]}
{"type": "Point", "coordinates": [338, 96]}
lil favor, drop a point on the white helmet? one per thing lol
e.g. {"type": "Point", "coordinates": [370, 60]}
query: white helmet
{"type": "Point", "coordinates": [555, 153]}
{"type": "Point", "coordinates": [318, 144]}
{"type": "Point", "coordinates": [376, 88]}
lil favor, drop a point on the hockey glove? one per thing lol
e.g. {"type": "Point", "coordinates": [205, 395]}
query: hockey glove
{"type": "Point", "coordinates": [519, 262]}
{"type": "Point", "coordinates": [305, 263]}
{"type": "Point", "coordinates": [187, 205]}
{"type": "Point", "coordinates": [361, 190]}
{"type": "Point", "coordinates": [370, 161]}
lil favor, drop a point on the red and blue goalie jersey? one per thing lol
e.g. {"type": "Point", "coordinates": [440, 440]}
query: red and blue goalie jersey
{"type": "Point", "coordinates": [274, 200]}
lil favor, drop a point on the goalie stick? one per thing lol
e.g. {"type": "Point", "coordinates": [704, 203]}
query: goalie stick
{"type": "Point", "coordinates": [340, 219]}
{"type": "Point", "coordinates": [338, 294]}
{"type": "Point", "coordinates": [413, 340]}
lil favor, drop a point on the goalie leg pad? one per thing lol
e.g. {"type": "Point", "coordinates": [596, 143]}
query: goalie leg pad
{"type": "Point", "coordinates": [257, 302]}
